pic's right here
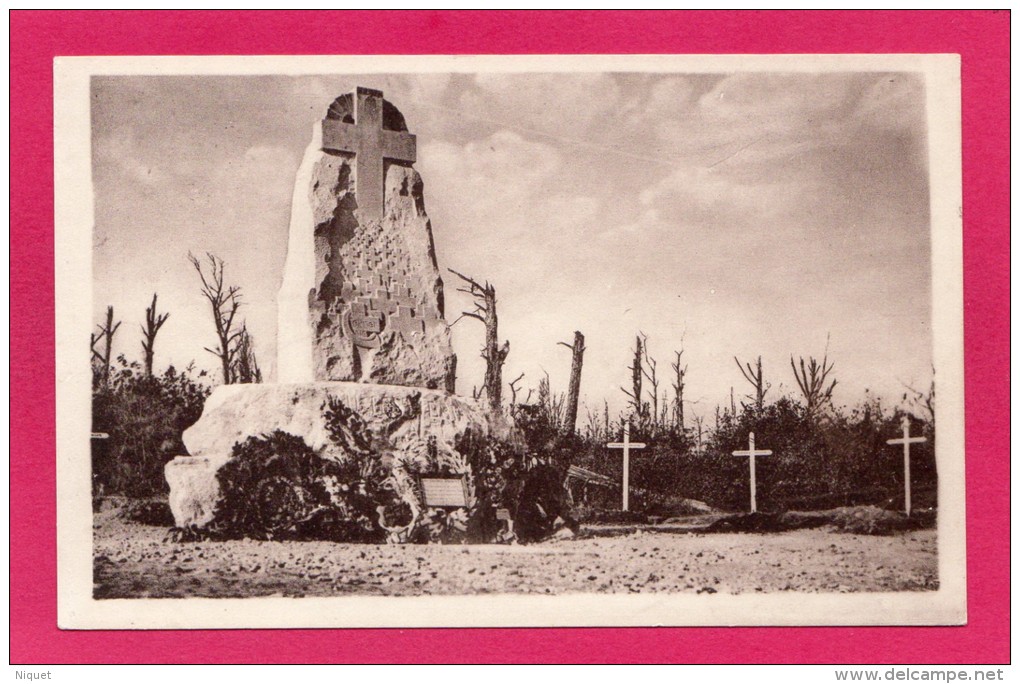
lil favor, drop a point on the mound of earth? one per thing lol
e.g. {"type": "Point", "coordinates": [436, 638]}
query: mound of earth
{"type": "Point", "coordinates": [851, 519]}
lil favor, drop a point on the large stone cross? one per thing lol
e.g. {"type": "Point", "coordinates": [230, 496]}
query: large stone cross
{"type": "Point", "coordinates": [371, 145]}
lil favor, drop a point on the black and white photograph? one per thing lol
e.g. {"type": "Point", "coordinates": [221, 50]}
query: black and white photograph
{"type": "Point", "coordinates": [509, 341]}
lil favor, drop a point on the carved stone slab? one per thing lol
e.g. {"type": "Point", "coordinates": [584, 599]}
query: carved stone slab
{"type": "Point", "coordinates": [362, 299]}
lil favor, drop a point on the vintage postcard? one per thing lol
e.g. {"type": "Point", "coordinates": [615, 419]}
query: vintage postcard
{"type": "Point", "coordinates": [509, 341]}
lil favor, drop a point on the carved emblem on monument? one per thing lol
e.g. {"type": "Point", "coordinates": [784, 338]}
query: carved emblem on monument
{"type": "Point", "coordinates": [365, 330]}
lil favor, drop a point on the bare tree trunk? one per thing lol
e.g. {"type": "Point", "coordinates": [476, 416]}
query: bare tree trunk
{"type": "Point", "coordinates": [636, 373]}
{"type": "Point", "coordinates": [649, 368]}
{"type": "Point", "coordinates": [224, 301]}
{"type": "Point", "coordinates": [636, 376]}
{"type": "Point", "coordinates": [811, 379]}
{"type": "Point", "coordinates": [106, 333]}
{"type": "Point", "coordinates": [153, 323]}
{"type": "Point", "coordinates": [680, 409]}
{"type": "Point", "coordinates": [494, 354]}
{"type": "Point", "coordinates": [757, 380]}
{"type": "Point", "coordinates": [605, 415]}
{"type": "Point", "coordinates": [574, 389]}
{"type": "Point", "coordinates": [513, 409]}
{"type": "Point", "coordinates": [678, 392]}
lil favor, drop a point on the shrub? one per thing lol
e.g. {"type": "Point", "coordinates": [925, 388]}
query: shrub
{"type": "Point", "coordinates": [820, 461]}
{"type": "Point", "coordinates": [144, 416]}
{"type": "Point", "coordinates": [276, 486]}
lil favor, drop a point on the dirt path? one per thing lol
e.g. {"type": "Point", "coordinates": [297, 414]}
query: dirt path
{"type": "Point", "coordinates": [133, 560]}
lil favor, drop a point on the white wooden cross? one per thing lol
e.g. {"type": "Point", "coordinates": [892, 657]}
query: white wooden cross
{"type": "Point", "coordinates": [906, 440]}
{"type": "Point", "coordinates": [751, 452]}
{"type": "Point", "coordinates": [626, 445]}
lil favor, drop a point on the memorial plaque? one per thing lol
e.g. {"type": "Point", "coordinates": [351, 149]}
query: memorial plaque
{"type": "Point", "coordinates": [445, 492]}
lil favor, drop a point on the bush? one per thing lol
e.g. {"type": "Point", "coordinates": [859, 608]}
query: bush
{"type": "Point", "coordinates": [144, 417]}
{"type": "Point", "coordinates": [835, 458]}
{"type": "Point", "coordinates": [533, 481]}
{"type": "Point", "coordinates": [277, 487]}
{"type": "Point", "coordinates": [818, 462]}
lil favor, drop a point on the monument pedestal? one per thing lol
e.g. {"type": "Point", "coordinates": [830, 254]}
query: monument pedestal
{"type": "Point", "coordinates": [411, 430]}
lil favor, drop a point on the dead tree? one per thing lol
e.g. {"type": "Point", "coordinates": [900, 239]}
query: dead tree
{"type": "Point", "coordinates": [494, 354]}
{"type": "Point", "coordinates": [106, 333]}
{"type": "Point", "coordinates": [245, 367]}
{"type": "Point", "coordinates": [224, 301]}
{"type": "Point", "coordinates": [552, 405]}
{"type": "Point", "coordinates": [924, 400]}
{"type": "Point", "coordinates": [153, 322]}
{"type": "Point", "coordinates": [648, 369]}
{"type": "Point", "coordinates": [699, 431]}
{"type": "Point", "coordinates": [574, 389]}
{"type": "Point", "coordinates": [598, 425]}
{"type": "Point", "coordinates": [680, 373]}
{"type": "Point", "coordinates": [757, 380]}
{"type": "Point", "coordinates": [513, 389]}
{"type": "Point", "coordinates": [636, 373]}
{"type": "Point", "coordinates": [513, 408]}
{"type": "Point", "coordinates": [811, 379]}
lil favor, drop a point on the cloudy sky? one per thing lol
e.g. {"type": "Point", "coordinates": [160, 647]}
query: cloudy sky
{"type": "Point", "coordinates": [736, 214]}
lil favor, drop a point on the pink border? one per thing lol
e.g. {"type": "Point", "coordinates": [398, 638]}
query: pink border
{"type": "Point", "coordinates": [981, 37]}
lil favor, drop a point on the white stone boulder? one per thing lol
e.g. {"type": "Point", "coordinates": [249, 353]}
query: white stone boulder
{"type": "Point", "coordinates": [404, 419]}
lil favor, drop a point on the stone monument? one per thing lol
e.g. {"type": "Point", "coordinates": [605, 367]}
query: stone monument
{"type": "Point", "coordinates": [362, 329]}
{"type": "Point", "coordinates": [362, 299]}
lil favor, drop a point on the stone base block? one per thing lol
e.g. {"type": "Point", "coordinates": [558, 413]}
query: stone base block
{"type": "Point", "coordinates": [409, 423]}
{"type": "Point", "coordinates": [193, 488]}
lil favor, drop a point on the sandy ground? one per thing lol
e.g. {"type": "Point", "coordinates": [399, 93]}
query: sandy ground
{"type": "Point", "coordinates": [133, 560]}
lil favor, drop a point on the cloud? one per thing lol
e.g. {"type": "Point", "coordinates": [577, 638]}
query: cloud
{"type": "Point", "coordinates": [502, 208]}
{"type": "Point", "coordinates": [749, 119]}
{"type": "Point", "coordinates": [669, 98]}
{"type": "Point", "coordinates": [707, 195]}
{"type": "Point", "coordinates": [503, 165]}
{"type": "Point", "coordinates": [314, 88]}
{"type": "Point", "coordinates": [780, 100]}
{"type": "Point", "coordinates": [120, 152]}
{"type": "Point", "coordinates": [554, 104]}
{"type": "Point", "coordinates": [893, 103]}
{"type": "Point", "coordinates": [422, 88]}
{"type": "Point", "coordinates": [505, 210]}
